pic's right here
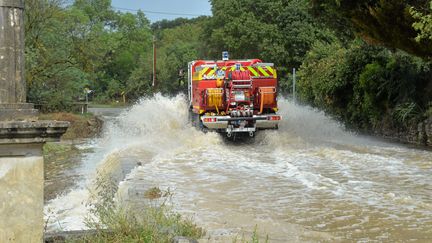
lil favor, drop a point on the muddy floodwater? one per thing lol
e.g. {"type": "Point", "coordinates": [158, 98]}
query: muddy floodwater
{"type": "Point", "coordinates": [309, 181]}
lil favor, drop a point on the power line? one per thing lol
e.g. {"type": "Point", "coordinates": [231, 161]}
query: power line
{"type": "Point", "coordinates": [157, 12]}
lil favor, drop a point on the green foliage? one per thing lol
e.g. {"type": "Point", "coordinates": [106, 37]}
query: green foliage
{"type": "Point", "coordinates": [178, 46]}
{"type": "Point", "coordinates": [52, 76]}
{"type": "Point", "coordinates": [55, 149]}
{"type": "Point", "coordinates": [423, 23]}
{"type": "Point", "coordinates": [404, 113]}
{"type": "Point", "coordinates": [321, 75]}
{"type": "Point", "coordinates": [88, 45]}
{"type": "Point", "coordinates": [365, 85]}
{"type": "Point", "coordinates": [278, 31]}
{"type": "Point", "coordinates": [386, 22]}
{"type": "Point", "coordinates": [275, 31]}
{"type": "Point", "coordinates": [84, 45]}
{"type": "Point", "coordinates": [155, 222]}
{"type": "Point", "coordinates": [170, 24]}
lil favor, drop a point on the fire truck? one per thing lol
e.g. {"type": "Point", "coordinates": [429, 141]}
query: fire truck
{"type": "Point", "coordinates": [233, 96]}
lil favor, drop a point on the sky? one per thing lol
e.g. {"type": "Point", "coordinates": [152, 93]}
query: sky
{"type": "Point", "coordinates": [190, 8]}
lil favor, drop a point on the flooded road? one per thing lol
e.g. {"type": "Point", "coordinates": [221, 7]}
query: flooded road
{"type": "Point", "coordinates": [308, 181]}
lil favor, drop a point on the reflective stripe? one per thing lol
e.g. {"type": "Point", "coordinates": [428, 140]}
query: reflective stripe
{"type": "Point", "coordinates": [204, 70]}
{"type": "Point", "coordinates": [257, 71]}
{"type": "Point", "coordinates": [270, 69]}
{"type": "Point", "coordinates": [263, 71]}
{"type": "Point", "coordinates": [233, 68]}
{"type": "Point", "coordinates": [252, 70]}
{"type": "Point", "coordinates": [211, 72]}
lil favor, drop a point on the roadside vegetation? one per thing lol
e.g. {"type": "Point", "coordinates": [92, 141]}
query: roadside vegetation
{"type": "Point", "coordinates": [377, 74]}
{"type": "Point", "coordinates": [254, 238]}
{"type": "Point", "coordinates": [154, 221]}
{"type": "Point", "coordinates": [74, 46]}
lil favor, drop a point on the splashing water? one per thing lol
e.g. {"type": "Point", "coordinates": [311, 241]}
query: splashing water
{"type": "Point", "coordinates": [310, 180]}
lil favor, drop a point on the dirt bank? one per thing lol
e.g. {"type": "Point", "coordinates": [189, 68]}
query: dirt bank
{"type": "Point", "coordinates": [82, 126]}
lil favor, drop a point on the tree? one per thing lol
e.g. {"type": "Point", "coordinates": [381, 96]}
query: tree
{"type": "Point", "coordinates": [275, 31]}
{"type": "Point", "coordinates": [52, 76]}
{"type": "Point", "coordinates": [176, 47]}
{"type": "Point", "coordinates": [385, 22]}
{"type": "Point", "coordinates": [82, 45]}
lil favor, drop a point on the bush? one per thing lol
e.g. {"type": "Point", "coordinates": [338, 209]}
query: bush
{"type": "Point", "coordinates": [366, 86]}
{"type": "Point", "coordinates": [404, 113]}
{"type": "Point", "coordinates": [156, 222]}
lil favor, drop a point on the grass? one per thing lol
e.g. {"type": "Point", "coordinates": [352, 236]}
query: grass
{"type": "Point", "coordinates": [155, 222]}
{"type": "Point", "coordinates": [52, 149]}
{"type": "Point", "coordinates": [254, 238]}
{"type": "Point", "coordinates": [110, 105]}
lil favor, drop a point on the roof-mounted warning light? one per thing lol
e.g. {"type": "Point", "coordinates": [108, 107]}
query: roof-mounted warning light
{"type": "Point", "coordinates": [225, 56]}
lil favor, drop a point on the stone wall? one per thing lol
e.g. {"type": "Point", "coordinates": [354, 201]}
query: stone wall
{"type": "Point", "coordinates": [21, 195]}
{"type": "Point", "coordinates": [418, 133]}
{"type": "Point", "coordinates": [428, 131]}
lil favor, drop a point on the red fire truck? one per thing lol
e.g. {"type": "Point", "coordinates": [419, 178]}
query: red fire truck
{"type": "Point", "coordinates": [233, 96]}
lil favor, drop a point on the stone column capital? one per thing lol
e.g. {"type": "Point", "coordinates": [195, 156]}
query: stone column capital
{"type": "Point", "coordinates": [12, 3]}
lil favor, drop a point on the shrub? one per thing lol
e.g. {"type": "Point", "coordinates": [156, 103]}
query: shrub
{"type": "Point", "coordinates": [363, 84]}
{"type": "Point", "coordinates": [404, 113]}
{"type": "Point", "coordinates": [155, 222]}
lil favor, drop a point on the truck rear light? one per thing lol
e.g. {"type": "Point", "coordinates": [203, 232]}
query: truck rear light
{"type": "Point", "coordinates": [274, 118]}
{"type": "Point", "coordinates": [209, 120]}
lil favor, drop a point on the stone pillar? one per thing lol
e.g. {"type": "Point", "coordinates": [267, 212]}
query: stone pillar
{"type": "Point", "coordinates": [22, 178]}
{"type": "Point", "coordinates": [21, 137]}
{"type": "Point", "coordinates": [12, 82]}
{"type": "Point", "coordinates": [12, 88]}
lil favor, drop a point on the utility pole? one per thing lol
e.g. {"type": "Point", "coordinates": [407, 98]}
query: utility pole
{"type": "Point", "coordinates": [154, 62]}
{"type": "Point", "coordinates": [294, 85]}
